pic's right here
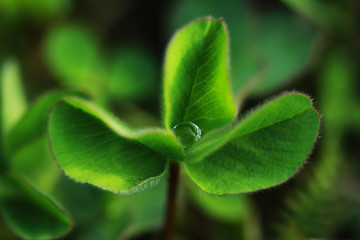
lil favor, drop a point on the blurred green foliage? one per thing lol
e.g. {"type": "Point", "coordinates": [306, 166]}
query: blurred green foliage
{"type": "Point", "coordinates": [260, 41]}
{"type": "Point", "coordinates": [114, 49]}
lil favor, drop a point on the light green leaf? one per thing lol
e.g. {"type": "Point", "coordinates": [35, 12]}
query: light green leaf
{"type": "Point", "coordinates": [266, 148]}
{"type": "Point", "coordinates": [93, 147]}
{"type": "Point", "coordinates": [133, 74]}
{"type": "Point", "coordinates": [264, 55]}
{"type": "Point", "coordinates": [241, 25]}
{"type": "Point", "coordinates": [73, 54]}
{"type": "Point", "coordinates": [196, 76]}
{"type": "Point", "coordinates": [12, 96]}
{"type": "Point", "coordinates": [30, 214]}
{"type": "Point", "coordinates": [33, 122]}
{"type": "Point", "coordinates": [35, 163]}
{"type": "Point", "coordinates": [221, 208]}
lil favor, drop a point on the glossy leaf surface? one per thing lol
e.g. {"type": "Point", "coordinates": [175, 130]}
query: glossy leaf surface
{"type": "Point", "coordinates": [93, 147]}
{"type": "Point", "coordinates": [196, 76]}
{"type": "Point", "coordinates": [264, 149]}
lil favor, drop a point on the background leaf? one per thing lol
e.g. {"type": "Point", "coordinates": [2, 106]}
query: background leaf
{"type": "Point", "coordinates": [35, 163]}
{"type": "Point", "coordinates": [33, 123]}
{"type": "Point", "coordinates": [264, 149]}
{"type": "Point", "coordinates": [12, 104]}
{"type": "Point", "coordinates": [30, 214]}
{"type": "Point", "coordinates": [146, 210]}
{"type": "Point", "coordinates": [92, 147]}
{"type": "Point", "coordinates": [226, 209]}
{"type": "Point", "coordinates": [73, 54]}
{"type": "Point", "coordinates": [196, 76]}
{"type": "Point", "coordinates": [264, 56]}
{"type": "Point", "coordinates": [284, 55]}
{"type": "Point", "coordinates": [133, 74]}
{"type": "Point", "coordinates": [329, 15]}
{"type": "Point", "coordinates": [13, 99]}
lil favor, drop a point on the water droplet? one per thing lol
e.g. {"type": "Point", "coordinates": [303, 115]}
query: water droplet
{"type": "Point", "coordinates": [187, 133]}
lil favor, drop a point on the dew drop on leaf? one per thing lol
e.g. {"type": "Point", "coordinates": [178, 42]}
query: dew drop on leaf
{"type": "Point", "coordinates": [187, 133]}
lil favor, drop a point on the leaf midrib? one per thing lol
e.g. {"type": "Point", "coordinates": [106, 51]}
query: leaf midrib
{"type": "Point", "coordinates": [277, 122]}
{"type": "Point", "coordinates": [114, 124]}
{"type": "Point", "coordinates": [210, 25]}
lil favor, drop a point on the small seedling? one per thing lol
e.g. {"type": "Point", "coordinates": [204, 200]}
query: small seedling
{"type": "Point", "coordinates": [221, 154]}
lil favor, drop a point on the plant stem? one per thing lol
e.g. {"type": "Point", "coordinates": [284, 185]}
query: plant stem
{"type": "Point", "coordinates": [169, 225]}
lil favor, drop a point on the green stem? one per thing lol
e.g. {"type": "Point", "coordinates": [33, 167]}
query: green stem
{"type": "Point", "coordinates": [171, 201]}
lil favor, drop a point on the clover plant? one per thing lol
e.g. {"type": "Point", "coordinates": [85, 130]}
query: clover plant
{"type": "Point", "coordinates": [202, 133]}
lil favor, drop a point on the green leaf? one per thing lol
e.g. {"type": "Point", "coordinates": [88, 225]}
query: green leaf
{"type": "Point", "coordinates": [93, 147]}
{"type": "Point", "coordinates": [133, 74]}
{"type": "Point", "coordinates": [241, 25]}
{"type": "Point", "coordinates": [329, 15]}
{"type": "Point", "coordinates": [73, 54]}
{"type": "Point", "coordinates": [33, 122]}
{"type": "Point", "coordinates": [30, 214]}
{"type": "Point", "coordinates": [146, 210]}
{"type": "Point", "coordinates": [285, 55]}
{"type": "Point", "coordinates": [12, 105]}
{"type": "Point", "coordinates": [264, 56]}
{"type": "Point", "coordinates": [196, 76]}
{"type": "Point", "coordinates": [265, 149]}
{"type": "Point", "coordinates": [221, 208]}
{"type": "Point", "coordinates": [339, 90]}
{"type": "Point", "coordinates": [12, 96]}
{"type": "Point", "coordinates": [35, 163]}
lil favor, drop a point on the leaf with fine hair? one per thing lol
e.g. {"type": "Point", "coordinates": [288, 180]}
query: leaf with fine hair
{"type": "Point", "coordinates": [196, 76]}
{"type": "Point", "coordinates": [33, 123]}
{"type": "Point", "coordinates": [90, 146]}
{"type": "Point", "coordinates": [30, 214]}
{"type": "Point", "coordinates": [265, 149]}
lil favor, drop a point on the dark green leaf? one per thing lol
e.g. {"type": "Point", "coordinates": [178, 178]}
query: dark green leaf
{"type": "Point", "coordinates": [329, 15]}
{"type": "Point", "coordinates": [33, 123]}
{"type": "Point", "coordinates": [93, 147]}
{"type": "Point", "coordinates": [30, 214]}
{"type": "Point", "coordinates": [196, 76]}
{"type": "Point", "coordinates": [146, 210]}
{"type": "Point", "coordinates": [264, 149]}
{"type": "Point", "coordinates": [285, 46]}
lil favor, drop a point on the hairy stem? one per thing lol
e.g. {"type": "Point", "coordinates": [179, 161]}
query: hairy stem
{"type": "Point", "coordinates": [169, 225]}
